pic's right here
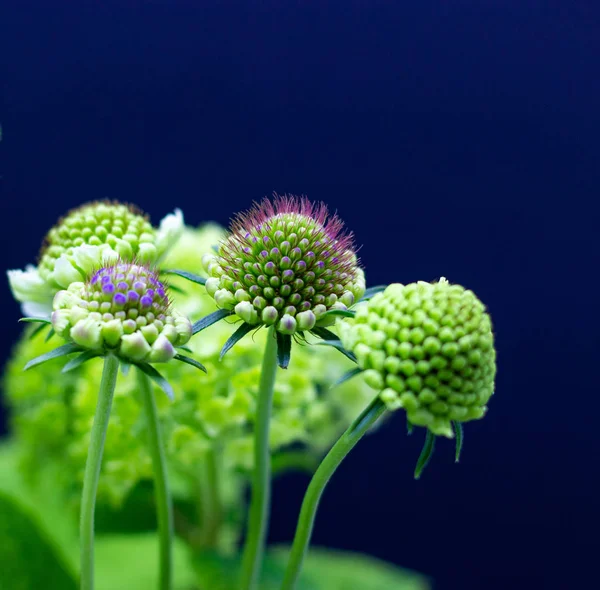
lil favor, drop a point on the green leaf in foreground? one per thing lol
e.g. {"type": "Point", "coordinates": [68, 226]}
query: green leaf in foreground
{"type": "Point", "coordinates": [28, 558]}
{"type": "Point", "coordinates": [324, 569]}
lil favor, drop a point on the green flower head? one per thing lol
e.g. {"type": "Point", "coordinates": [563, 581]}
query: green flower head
{"type": "Point", "coordinates": [285, 263]}
{"type": "Point", "coordinates": [429, 348]}
{"type": "Point", "coordinates": [123, 308]}
{"type": "Point", "coordinates": [94, 234]}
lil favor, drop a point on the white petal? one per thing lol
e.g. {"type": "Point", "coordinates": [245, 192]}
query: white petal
{"type": "Point", "coordinates": [28, 286]}
{"type": "Point", "coordinates": [169, 231]}
{"type": "Point", "coordinates": [37, 310]}
{"type": "Point", "coordinates": [65, 272]}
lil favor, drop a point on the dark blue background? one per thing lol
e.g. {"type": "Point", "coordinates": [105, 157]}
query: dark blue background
{"type": "Point", "coordinates": [456, 138]}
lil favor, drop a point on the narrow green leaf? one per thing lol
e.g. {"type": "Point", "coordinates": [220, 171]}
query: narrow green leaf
{"type": "Point", "coordinates": [372, 291]}
{"type": "Point", "coordinates": [190, 276]}
{"type": "Point", "coordinates": [458, 432]}
{"type": "Point", "coordinates": [337, 345]}
{"type": "Point", "coordinates": [235, 337]}
{"type": "Point", "coordinates": [324, 333]}
{"type": "Point", "coordinates": [284, 349]}
{"type": "Point", "coordinates": [426, 453]}
{"type": "Point", "coordinates": [190, 361]}
{"type": "Point", "coordinates": [176, 289]}
{"type": "Point", "coordinates": [215, 248]}
{"type": "Point", "coordinates": [53, 354]}
{"type": "Point", "coordinates": [210, 319]}
{"type": "Point", "coordinates": [344, 313]}
{"type": "Point", "coordinates": [347, 376]}
{"type": "Point", "coordinates": [37, 330]}
{"type": "Point", "coordinates": [185, 349]}
{"type": "Point", "coordinates": [157, 378]}
{"type": "Point", "coordinates": [84, 357]}
{"type": "Point", "coordinates": [409, 427]}
{"type": "Point", "coordinates": [32, 320]}
{"type": "Point", "coordinates": [49, 335]}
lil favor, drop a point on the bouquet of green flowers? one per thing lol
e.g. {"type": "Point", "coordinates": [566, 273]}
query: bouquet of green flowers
{"type": "Point", "coordinates": [168, 369]}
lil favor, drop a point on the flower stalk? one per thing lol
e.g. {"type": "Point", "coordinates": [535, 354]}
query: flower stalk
{"type": "Point", "coordinates": [321, 478]}
{"type": "Point", "coordinates": [92, 469]}
{"type": "Point", "coordinates": [162, 494]}
{"type": "Point", "coordinates": [261, 478]}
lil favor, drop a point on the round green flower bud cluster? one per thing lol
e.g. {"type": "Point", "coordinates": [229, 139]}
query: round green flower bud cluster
{"type": "Point", "coordinates": [285, 263]}
{"type": "Point", "coordinates": [123, 308]}
{"type": "Point", "coordinates": [117, 230]}
{"type": "Point", "coordinates": [429, 348]}
{"type": "Point", "coordinates": [211, 416]}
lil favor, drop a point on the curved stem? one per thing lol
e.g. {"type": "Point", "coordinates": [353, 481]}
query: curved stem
{"type": "Point", "coordinates": [162, 495]}
{"type": "Point", "coordinates": [261, 476]}
{"type": "Point", "coordinates": [92, 469]}
{"type": "Point", "coordinates": [317, 485]}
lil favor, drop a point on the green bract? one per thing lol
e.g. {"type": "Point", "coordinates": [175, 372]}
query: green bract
{"type": "Point", "coordinates": [86, 238]}
{"type": "Point", "coordinates": [123, 308]}
{"type": "Point", "coordinates": [211, 415]}
{"type": "Point", "coordinates": [429, 348]}
{"type": "Point", "coordinates": [285, 263]}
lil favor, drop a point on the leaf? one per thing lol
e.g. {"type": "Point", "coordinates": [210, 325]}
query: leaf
{"type": "Point", "coordinates": [129, 562]}
{"type": "Point", "coordinates": [31, 320]}
{"type": "Point", "coordinates": [344, 313]}
{"type": "Point", "coordinates": [235, 337]}
{"type": "Point", "coordinates": [324, 569]}
{"type": "Point", "coordinates": [157, 378]}
{"type": "Point", "coordinates": [426, 453]}
{"type": "Point", "coordinates": [409, 427]}
{"type": "Point", "coordinates": [28, 558]}
{"type": "Point", "coordinates": [49, 335]}
{"type": "Point", "coordinates": [324, 333]}
{"type": "Point", "coordinates": [176, 289]}
{"type": "Point", "coordinates": [185, 349]}
{"type": "Point", "coordinates": [190, 361]}
{"type": "Point", "coordinates": [284, 349]}
{"type": "Point", "coordinates": [190, 276]}
{"type": "Point", "coordinates": [458, 432]}
{"type": "Point", "coordinates": [347, 376]}
{"type": "Point", "coordinates": [53, 354]}
{"type": "Point", "coordinates": [84, 357]}
{"type": "Point", "coordinates": [210, 319]}
{"type": "Point", "coordinates": [339, 346]}
{"type": "Point", "coordinates": [37, 330]}
{"type": "Point", "coordinates": [372, 291]}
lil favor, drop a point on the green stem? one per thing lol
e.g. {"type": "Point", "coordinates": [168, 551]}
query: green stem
{"type": "Point", "coordinates": [92, 469]}
{"type": "Point", "coordinates": [261, 476]}
{"type": "Point", "coordinates": [317, 485]}
{"type": "Point", "coordinates": [164, 506]}
{"type": "Point", "coordinates": [210, 501]}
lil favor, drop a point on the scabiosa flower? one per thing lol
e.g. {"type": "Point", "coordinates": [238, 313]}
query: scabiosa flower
{"type": "Point", "coordinates": [286, 262]}
{"type": "Point", "coordinates": [124, 309]}
{"type": "Point", "coordinates": [93, 234]}
{"type": "Point", "coordinates": [429, 349]}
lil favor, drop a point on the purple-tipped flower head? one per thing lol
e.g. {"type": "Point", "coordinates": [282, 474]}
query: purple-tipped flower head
{"type": "Point", "coordinates": [123, 308]}
{"type": "Point", "coordinates": [285, 263]}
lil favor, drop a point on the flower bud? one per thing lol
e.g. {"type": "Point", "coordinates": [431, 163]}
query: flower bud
{"type": "Point", "coordinates": [430, 349]}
